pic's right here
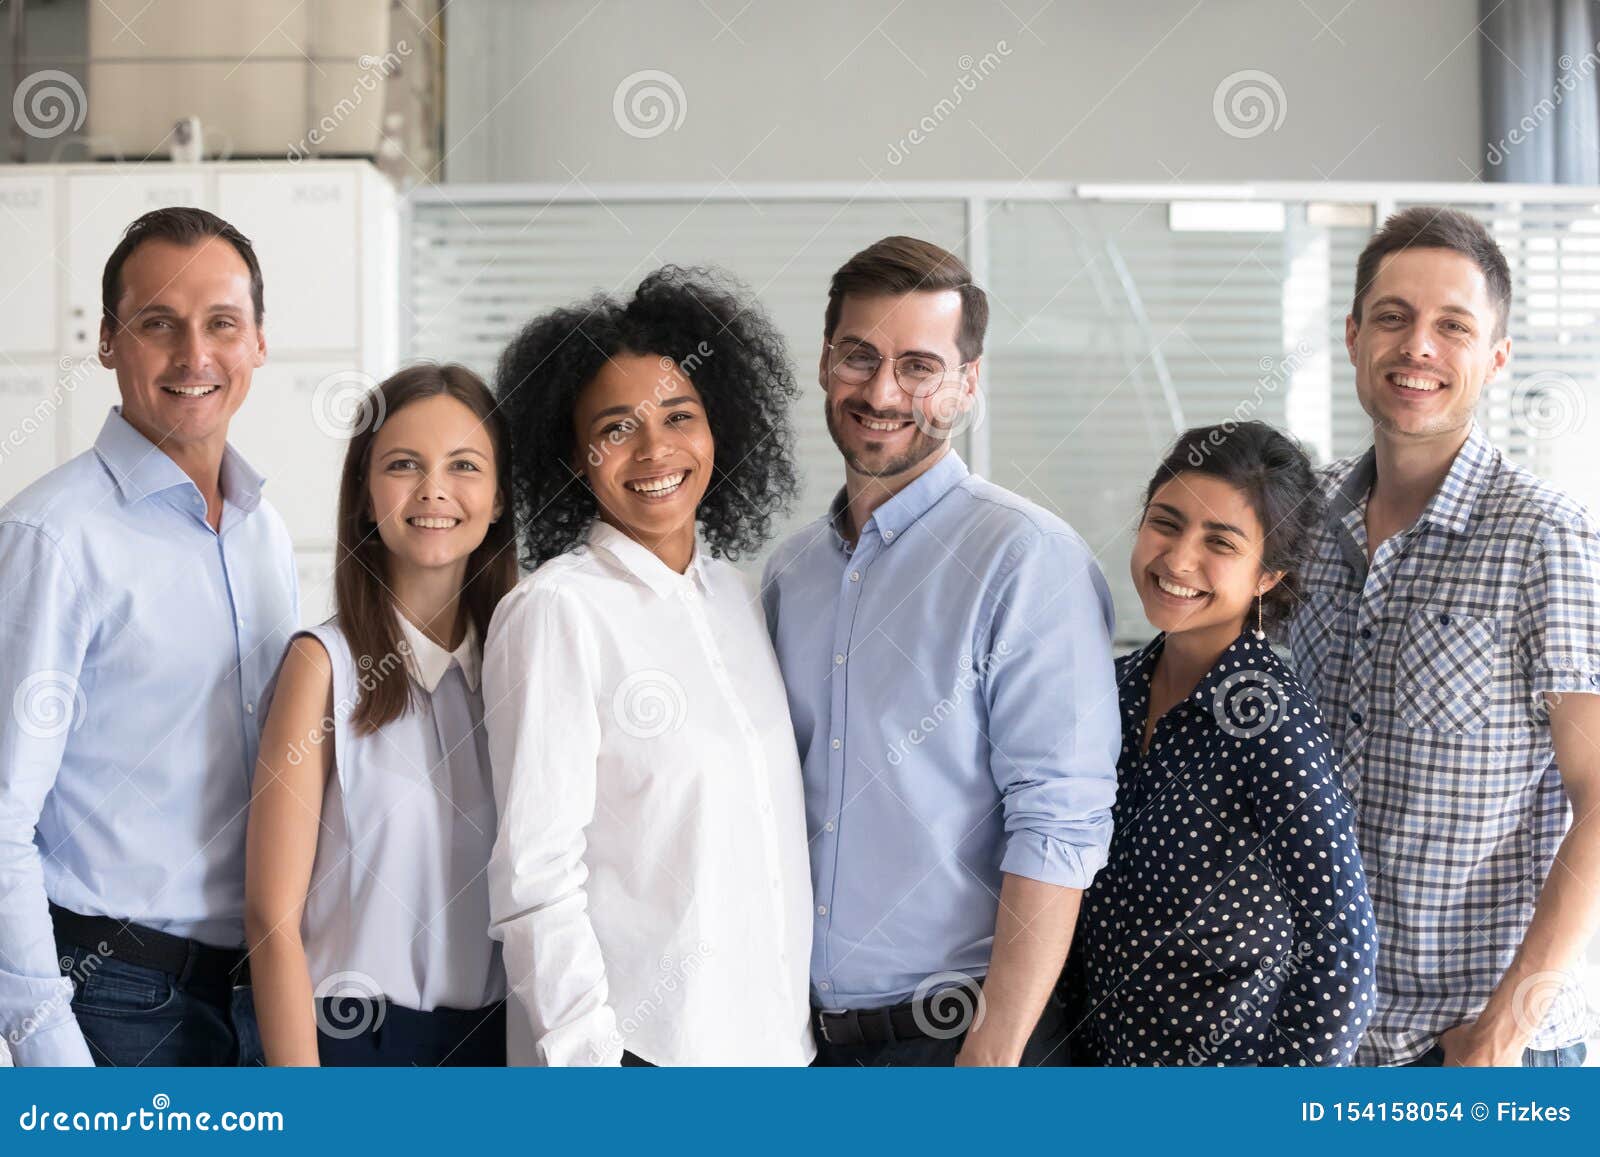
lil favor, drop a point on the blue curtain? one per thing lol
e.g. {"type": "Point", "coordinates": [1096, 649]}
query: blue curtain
{"type": "Point", "coordinates": [1541, 91]}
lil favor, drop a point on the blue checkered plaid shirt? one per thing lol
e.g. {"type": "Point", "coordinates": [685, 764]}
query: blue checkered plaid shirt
{"type": "Point", "coordinates": [1431, 667]}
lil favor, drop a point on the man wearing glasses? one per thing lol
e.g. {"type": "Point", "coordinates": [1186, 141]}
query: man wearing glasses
{"type": "Point", "coordinates": [947, 651]}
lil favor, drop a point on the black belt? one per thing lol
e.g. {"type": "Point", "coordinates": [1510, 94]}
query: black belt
{"type": "Point", "coordinates": [946, 1013]}
{"type": "Point", "coordinates": [188, 961]}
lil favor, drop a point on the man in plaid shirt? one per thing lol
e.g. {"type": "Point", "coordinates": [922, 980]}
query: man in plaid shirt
{"type": "Point", "coordinates": [1451, 630]}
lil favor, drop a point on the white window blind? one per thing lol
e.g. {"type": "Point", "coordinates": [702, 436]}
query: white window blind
{"type": "Point", "coordinates": [479, 270]}
{"type": "Point", "coordinates": [1114, 322]}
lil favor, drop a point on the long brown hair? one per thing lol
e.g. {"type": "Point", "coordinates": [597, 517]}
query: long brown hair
{"type": "Point", "coordinates": [361, 567]}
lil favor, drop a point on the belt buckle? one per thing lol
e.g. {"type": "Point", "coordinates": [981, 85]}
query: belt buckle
{"type": "Point", "coordinates": [844, 1015]}
{"type": "Point", "coordinates": [822, 1027]}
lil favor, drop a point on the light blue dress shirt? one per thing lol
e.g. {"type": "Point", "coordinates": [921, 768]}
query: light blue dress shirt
{"type": "Point", "coordinates": [953, 695]}
{"type": "Point", "coordinates": [135, 642]}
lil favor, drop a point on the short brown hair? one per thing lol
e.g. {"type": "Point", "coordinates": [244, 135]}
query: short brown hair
{"type": "Point", "coordinates": [181, 226]}
{"type": "Point", "coordinates": [898, 265]}
{"type": "Point", "coordinates": [1433, 227]}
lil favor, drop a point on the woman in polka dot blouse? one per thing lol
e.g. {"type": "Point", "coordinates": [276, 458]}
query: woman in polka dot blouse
{"type": "Point", "coordinates": [1231, 924]}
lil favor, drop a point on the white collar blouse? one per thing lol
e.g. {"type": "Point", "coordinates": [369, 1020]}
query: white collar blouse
{"type": "Point", "coordinates": [650, 881]}
{"type": "Point", "coordinates": [398, 903]}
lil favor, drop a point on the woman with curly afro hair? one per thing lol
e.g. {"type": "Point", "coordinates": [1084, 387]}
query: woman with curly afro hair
{"type": "Point", "coordinates": [650, 875]}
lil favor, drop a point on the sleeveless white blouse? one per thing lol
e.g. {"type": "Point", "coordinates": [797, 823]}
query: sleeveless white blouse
{"type": "Point", "coordinates": [399, 898]}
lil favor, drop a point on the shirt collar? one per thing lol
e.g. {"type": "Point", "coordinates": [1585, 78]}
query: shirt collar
{"type": "Point", "coordinates": [1451, 506]}
{"type": "Point", "coordinates": [1245, 655]}
{"type": "Point", "coordinates": [642, 563]}
{"type": "Point", "coordinates": [1248, 660]}
{"type": "Point", "coordinates": [898, 513]}
{"type": "Point", "coordinates": [428, 661]}
{"type": "Point", "coordinates": [141, 468]}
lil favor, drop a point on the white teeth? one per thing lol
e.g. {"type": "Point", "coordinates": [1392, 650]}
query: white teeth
{"type": "Point", "coordinates": [1173, 588]}
{"type": "Point", "coordinates": [433, 523]}
{"type": "Point", "coordinates": [873, 424]}
{"type": "Point", "coordinates": [190, 391]}
{"type": "Point", "coordinates": [1426, 385]}
{"type": "Point", "coordinates": [660, 486]}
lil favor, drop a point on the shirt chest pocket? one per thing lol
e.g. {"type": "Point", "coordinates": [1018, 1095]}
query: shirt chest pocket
{"type": "Point", "coordinates": [1445, 671]}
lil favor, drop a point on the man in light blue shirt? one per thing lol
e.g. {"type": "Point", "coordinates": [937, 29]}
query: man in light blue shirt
{"type": "Point", "coordinates": [947, 651]}
{"type": "Point", "coordinates": [146, 594]}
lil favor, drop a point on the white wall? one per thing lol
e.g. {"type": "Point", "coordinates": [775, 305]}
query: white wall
{"type": "Point", "coordinates": [1088, 90]}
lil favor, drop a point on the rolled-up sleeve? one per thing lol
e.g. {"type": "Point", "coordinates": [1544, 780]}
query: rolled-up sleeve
{"type": "Point", "coordinates": [539, 675]}
{"type": "Point", "coordinates": [1054, 725]}
{"type": "Point", "coordinates": [1558, 632]}
{"type": "Point", "coordinates": [44, 636]}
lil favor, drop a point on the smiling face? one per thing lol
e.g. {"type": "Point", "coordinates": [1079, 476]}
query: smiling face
{"type": "Point", "coordinates": [644, 446]}
{"type": "Point", "coordinates": [1197, 557]}
{"type": "Point", "coordinates": [186, 342]}
{"type": "Point", "coordinates": [876, 424]}
{"type": "Point", "coordinates": [431, 482]}
{"type": "Point", "coordinates": [1426, 344]}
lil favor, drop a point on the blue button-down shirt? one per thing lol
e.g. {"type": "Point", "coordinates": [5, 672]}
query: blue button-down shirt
{"type": "Point", "coordinates": [952, 689]}
{"type": "Point", "coordinates": [135, 642]}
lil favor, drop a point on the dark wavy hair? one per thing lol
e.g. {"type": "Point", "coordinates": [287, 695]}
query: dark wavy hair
{"type": "Point", "coordinates": [1272, 471]}
{"type": "Point", "coordinates": [719, 338]}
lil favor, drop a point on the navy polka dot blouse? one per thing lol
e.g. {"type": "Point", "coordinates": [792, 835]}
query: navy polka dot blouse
{"type": "Point", "coordinates": [1231, 924]}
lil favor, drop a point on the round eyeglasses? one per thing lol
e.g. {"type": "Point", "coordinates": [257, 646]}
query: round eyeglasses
{"type": "Point", "coordinates": [918, 374]}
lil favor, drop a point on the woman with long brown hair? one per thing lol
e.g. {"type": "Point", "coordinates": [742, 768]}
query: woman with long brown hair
{"type": "Point", "coordinates": [373, 817]}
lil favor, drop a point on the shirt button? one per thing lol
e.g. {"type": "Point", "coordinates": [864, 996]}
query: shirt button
{"type": "Point", "coordinates": [822, 909]}
{"type": "Point", "coordinates": [888, 536]}
{"type": "Point", "coordinates": [855, 576]}
{"type": "Point", "coordinates": [837, 659]}
{"type": "Point", "coordinates": [836, 745]}
{"type": "Point", "coordinates": [823, 985]}
{"type": "Point", "coordinates": [828, 827]}
{"type": "Point", "coordinates": [1355, 717]}
{"type": "Point", "coordinates": [249, 708]}
{"type": "Point", "coordinates": [1365, 632]}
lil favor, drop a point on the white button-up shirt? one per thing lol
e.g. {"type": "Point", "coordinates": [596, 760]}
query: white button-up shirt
{"type": "Point", "coordinates": [650, 879]}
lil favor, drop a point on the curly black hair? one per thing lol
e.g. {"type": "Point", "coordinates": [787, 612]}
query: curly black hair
{"type": "Point", "coordinates": [1273, 471]}
{"type": "Point", "coordinates": [719, 338]}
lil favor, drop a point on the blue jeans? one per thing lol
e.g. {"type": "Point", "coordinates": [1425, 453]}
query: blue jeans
{"type": "Point", "coordinates": [133, 1016]}
{"type": "Point", "coordinates": [1571, 1057]}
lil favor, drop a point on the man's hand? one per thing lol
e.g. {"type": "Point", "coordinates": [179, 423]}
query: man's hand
{"type": "Point", "coordinates": [981, 1050]}
{"type": "Point", "coordinates": [1480, 1044]}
